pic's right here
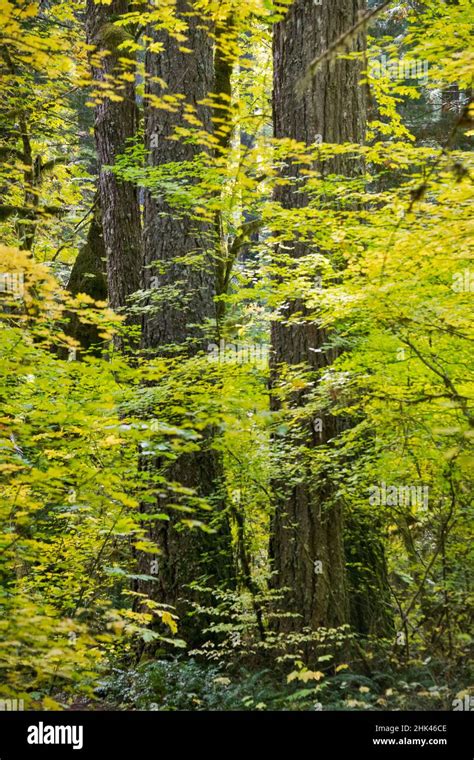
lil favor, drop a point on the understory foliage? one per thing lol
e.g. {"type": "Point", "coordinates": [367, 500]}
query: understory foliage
{"type": "Point", "coordinates": [387, 271]}
{"type": "Point", "coordinates": [69, 496]}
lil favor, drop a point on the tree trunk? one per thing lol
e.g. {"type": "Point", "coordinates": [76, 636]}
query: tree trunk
{"type": "Point", "coordinates": [169, 233]}
{"type": "Point", "coordinates": [115, 123]}
{"type": "Point", "coordinates": [185, 321]}
{"type": "Point", "coordinates": [307, 533]}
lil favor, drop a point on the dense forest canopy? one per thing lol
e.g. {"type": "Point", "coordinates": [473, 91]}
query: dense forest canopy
{"type": "Point", "coordinates": [236, 289]}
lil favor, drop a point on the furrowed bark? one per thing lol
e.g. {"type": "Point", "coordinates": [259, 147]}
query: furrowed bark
{"type": "Point", "coordinates": [186, 321]}
{"type": "Point", "coordinates": [307, 534]}
{"type": "Point", "coordinates": [115, 123]}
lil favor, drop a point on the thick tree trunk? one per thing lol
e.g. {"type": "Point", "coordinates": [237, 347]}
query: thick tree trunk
{"type": "Point", "coordinates": [185, 321]}
{"type": "Point", "coordinates": [307, 533]}
{"type": "Point", "coordinates": [170, 234]}
{"type": "Point", "coordinates": [115, 123]}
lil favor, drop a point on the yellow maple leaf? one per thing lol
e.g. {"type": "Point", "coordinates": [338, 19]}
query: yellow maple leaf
{"type": "Point", "coordinates": [169, 620]}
